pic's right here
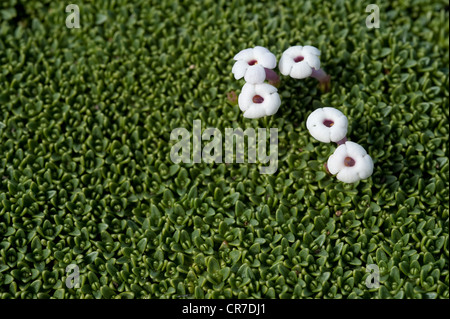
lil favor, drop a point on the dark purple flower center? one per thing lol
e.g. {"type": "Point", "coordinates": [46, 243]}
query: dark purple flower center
{"type": "Point", "coordinates": [258, 99]}
{"type": "Point", "coordinates": [328, 123]}
{"type": "Point", "coordinates": [349, 162]}
{"type": "Point", "coordinates": [252, 62]}
{"type": "Point", "coordinates": [298, 59]}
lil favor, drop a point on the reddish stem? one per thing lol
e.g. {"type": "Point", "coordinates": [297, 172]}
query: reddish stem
{"type": "Point", "coordinates": [326, 168]}
{"type": "Point", "coordinates": [342, 141]}
{"type": "Point", "coordinates": [272, 77]}
{"type": "Point", "coordinates": [323, 78]}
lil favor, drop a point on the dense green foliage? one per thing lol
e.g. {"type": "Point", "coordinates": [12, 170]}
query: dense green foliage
{"type": "Point", "coordinates": [86, 176]}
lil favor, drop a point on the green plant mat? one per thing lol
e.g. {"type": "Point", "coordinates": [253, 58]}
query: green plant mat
{"type": "Point", "coordinates": [86, 177]}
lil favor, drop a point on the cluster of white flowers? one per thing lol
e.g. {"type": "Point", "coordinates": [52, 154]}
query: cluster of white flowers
{"type": "Point", "coordinates": [257, 99]}
{"type": "Point", "coordinates": [256, 65]}
{"type": "Point", "coordinates": [350, 161]}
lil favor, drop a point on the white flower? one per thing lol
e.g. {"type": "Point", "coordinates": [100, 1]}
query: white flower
{"type": "Point", "coordinates": [258, 100]}
{"type": "Point", "coordinates": [250, 64]}
{"type": "Point", "coordinates": [350, 162]}
{"type": "Point", "coordinates": [299, 61]}
{"type": "Point", "coordinates": [327, 125]}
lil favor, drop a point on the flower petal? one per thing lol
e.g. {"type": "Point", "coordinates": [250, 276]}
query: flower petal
{"type": "Point", "coordinates": [337, 132]}
{"type": "Point", "coordinates": [272, 104]}
{"type": "Point", "coordinates": [285, 65]}
{"type": "Point", "coordinates": [255, 74]}
{"type": "Point", "coordinates": [239, 69]}
{"type": "Point", "coordinates": [348, 175]}
{"type": "Point", "coordinates": [320, 134]}
{"type": "Point", "coordinates": [313, 61]}
{"type": "Point", "coordinates": [332, 112]}
{"type": "Point", "coordinates": [335, 162]}
{"type": "Point", "coordinates": [364, 167]}
{"type": "Point", "coordinates": [245, 99]}
{"type": "Point", "coordinates": [308, 49]}
{"type": "Point", "coordinates": [355, 150]}
{"type": "Point", "coordinates": [339, 129]}
{"type": "Point", "coordinates": [267, 60]}
{"type": "Point", "coordinates": [294, 51]}
{"type": "Point", "coordinates": [300, 70]}
{"type": "Point", "coordinates": [245, 55]}
{"type": "Point", "coordinates": [341, 122]}
{"type": "Point", "coordinates": [315, 118]}
{"type": "Point", "coordinates": [258, 51]}
{"type": "Point", "coordinates": [265, 89]}
{"type": "Point", "coordinates": [255, 111]}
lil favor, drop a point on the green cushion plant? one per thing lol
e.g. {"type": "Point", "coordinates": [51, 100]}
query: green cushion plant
{"type": "Point", "coordinates": [86, 177]}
